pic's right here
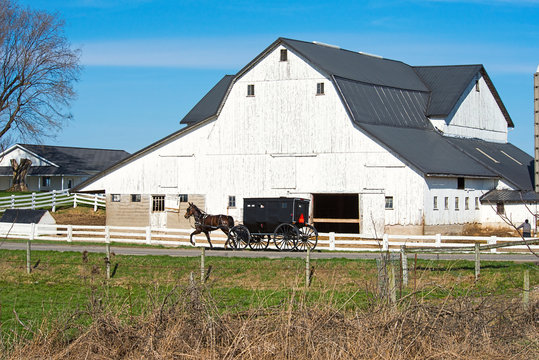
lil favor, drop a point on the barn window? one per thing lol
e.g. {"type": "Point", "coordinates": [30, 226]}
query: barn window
{"type": "Point", "coordinates": [158, 203]}
{"type": "Point", "coordinates": [466, 203]}
{"type": "Point", "coordinates": [46, 181]}
{"type": "Point", "coordinates": [389, 202]}
{"type": "Point", "coordinates": [284, 55]}
{"type": "Point", "coordinates": [232, 201]}
{"type": "Point", "coordinates": [477, 85]}
{"type": "Point", "coordinates": [435, 203]}
{"type": "Point", "coordinates": [115, 197]}
{"type": "Point", "coordinates": [183, 198]}
{"type": "Point", "coordinates": [320, 88]}
{"type": "Point", "coordinates": [446, 203]}
{"type": "Point", "coordinates": [456, 203]}
{"type": "Point", "coordinates": [500, 208]}
{"type": "Point", "coordinates": [460, 183]}
{"type": "Point", "coordinates": [135, 197]}
{"type": "Point", "coordinates": [250, 90]}
{"type": "Point", "coordinates": [476, 203]}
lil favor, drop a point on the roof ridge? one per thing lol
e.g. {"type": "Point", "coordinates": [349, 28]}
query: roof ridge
{"type": "Point", "coordinates": [69, 147]}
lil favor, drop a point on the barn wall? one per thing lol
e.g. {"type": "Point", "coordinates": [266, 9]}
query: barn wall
{"type": "Point", "coordinates": [476, 115]}
{"type": "Point", "coordinates": [127, 213]}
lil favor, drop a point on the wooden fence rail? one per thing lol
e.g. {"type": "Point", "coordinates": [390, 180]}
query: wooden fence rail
{"type": "Point", "coordinates": [327, 241]}
{"type": "Point", "coordinates": [51, 200]}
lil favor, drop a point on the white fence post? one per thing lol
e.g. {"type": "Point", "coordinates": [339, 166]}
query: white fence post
{"type": "Point", "coordinates": [438, 241]}
{"type": "Point", "coordinates": [385, 242]}
{"type": "Point", "coordinates": [69, 233]}
{"type": "Point", "coordinates": [107, 234]}
{"type": "Point", "coordinates": [331, 241]}
{"type": "Point", "coordinates": [33, 201]}
{"type": "Point", "coordinates": [148, 235]}
{"type": "Point", "coordinates": [29, 247]}
{"type": "Point", "coordinates": [95, 202]}
{"type": "Point", "coordinates": [12, 201]}
{"type": "Point", "coordinates": [75, 200]}
{"type": "Point", "coordinates": [54, 201]}
{"type": "Point", "coordinates": [492, 241]}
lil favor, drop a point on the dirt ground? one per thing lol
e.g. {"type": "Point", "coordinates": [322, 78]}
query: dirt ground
{"type": "Point", "coordinates": [79, 216]}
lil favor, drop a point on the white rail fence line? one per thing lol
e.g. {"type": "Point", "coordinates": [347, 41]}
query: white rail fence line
{"type": "Point", "coordinates": [51, 200]}
{"type": "Point", "coordinates": [177, 237]}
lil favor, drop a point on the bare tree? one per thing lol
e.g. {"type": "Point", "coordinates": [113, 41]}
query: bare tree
{"type": "Point", "coordinates": [37, 72]}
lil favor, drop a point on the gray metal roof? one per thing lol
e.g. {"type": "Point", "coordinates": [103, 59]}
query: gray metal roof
{"type": "Point", "coordinates": [447, 83]}
{"type": "Point", "coordinates": [210, 103]}
{"type": "Point", "coordinates": [380, 105]}
{"type": "Point", "coordinates": [23, 216]}
{"type": "Point", "coordinates": [428, 151]}
{"type": "Point", "coordinates": [70, 160]}
{"type": "Point", "coordinates": [506, 160]}
{"type": "Point", "coordinates": [509, 196]}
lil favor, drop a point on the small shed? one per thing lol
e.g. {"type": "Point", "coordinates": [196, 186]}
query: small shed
{"type": "Point", "coordinates": [27, 216]}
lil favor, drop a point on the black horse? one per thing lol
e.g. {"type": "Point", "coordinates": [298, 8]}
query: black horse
{"type": "Point", "coordinates": [206, 223]}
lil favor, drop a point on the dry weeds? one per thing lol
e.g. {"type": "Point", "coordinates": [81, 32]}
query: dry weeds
{"type": "Point", "coordinates": [80, 216]}
{"type": "Point", "coordinates": [186, 324]}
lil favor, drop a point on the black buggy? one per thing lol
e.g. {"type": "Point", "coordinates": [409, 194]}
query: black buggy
{"type": "Point", "coordinates": [283, 220]}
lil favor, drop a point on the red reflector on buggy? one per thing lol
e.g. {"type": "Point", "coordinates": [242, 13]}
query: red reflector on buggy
{"type": "Point", "coordinates": [301, 219]}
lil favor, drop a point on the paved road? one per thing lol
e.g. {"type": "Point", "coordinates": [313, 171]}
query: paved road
{"type": "Point", "coordinates": [256, 254]}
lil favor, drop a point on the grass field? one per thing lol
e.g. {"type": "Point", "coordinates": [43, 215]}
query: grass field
{"type": "Point", "coordinates": [69, 283]}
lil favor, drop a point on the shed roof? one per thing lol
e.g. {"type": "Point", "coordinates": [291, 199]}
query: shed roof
{"type": "Point", "coordinates": [23, 216]}
{"type": "Point", "coordinates": [510, 196]}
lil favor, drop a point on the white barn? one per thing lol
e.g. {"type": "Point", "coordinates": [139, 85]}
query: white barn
{"type": "Point", "coordinates": [377, 145]}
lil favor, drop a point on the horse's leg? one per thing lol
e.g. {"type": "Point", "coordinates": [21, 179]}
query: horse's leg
{"type": "Point", "coordinates": [208, 237]}
{"type": "Point", "coordinates": [197, 231]}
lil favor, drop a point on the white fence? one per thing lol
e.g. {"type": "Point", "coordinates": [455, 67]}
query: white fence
{"type": "Point", "coordinates": [51, 200]}
{"type": "Point", "coordinates": [177, 237]}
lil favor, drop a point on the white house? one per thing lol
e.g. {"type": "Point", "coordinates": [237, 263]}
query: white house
{"type": "Point", "coordinates": [376, 144]}
{"type": "Point", "coordinates": [56, 167]}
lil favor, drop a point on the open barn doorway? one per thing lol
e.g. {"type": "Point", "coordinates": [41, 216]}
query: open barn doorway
{"type": "Point", "coordinates": [336, 212]}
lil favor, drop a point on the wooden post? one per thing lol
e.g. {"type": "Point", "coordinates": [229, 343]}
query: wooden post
{"type": "Point", "coordinates": [477, 262]}
{"type": "Point", "coordinates": [107, 246]}
{"type": "Point", "coordinates": [392, 286]}
{"type": "Point", "coordinates": [308, 268]}
{"type": "Point", "coordinates": [415, 271]}
{"type": "Point", "coordinates": [29, 248]}
{"type": "Point", "coordinates": [202, 265]}
{"type": "Point", "coordinates": [53, 200]}
{"type": "Point", "coordinates": [331, 241]}
{"type": "Point", "coordinates": [526, 290]}
{"type": "Point", "coordinates": [404, 266]}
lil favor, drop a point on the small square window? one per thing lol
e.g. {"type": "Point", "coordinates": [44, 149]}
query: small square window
{"type": "Point", "coordinates": [477, 85]}
{"type": "Point", "coordinates": [250, 90]}
{"type": "Point", "coordinates": [476, 203]}
{"type": "Point", "coordinates": [158, 203]}
{"type": "Point", "coordinates": [460, 183]}
{"type": "Point", "coordinates": [135, 197]}
{"type": "Point", "coordinates": [115, 197]}
{"type": "Point", "coordinates": [466, 203]}
{"type": "Point", "coordinates": [320, 88]}
{"type": "Point", "coordinates": [284, 55]}
{"type": "Point", "coordinates": [389, 202]}
{"type": "Point", "coordinates": [446, 203]}
{"type": "Point", "coordinates": [456, 203]}
{"type": "Point", "coordinates": [231, 201]}
{"type": "Point", "coordinates": [435, 203]}
{"type": "Point", "coordinates": [183, 198]}
{"type": "Point", "coordinates": [500, 208]}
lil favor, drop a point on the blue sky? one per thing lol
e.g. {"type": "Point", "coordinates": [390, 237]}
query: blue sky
{"type": "Point", "coordinates": [147, 62]}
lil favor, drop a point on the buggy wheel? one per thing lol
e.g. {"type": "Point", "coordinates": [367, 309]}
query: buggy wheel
{"type": "Point", "coordinates": [308, 238]}
{"type": "Point", "coordinates": [259, 242]}
{"type": "Point", "coordinates": [238, 237]}
{"type": "Point", "coordinates": [286, 237]}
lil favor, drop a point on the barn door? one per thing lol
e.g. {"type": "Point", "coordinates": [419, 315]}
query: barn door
{"type": "Point", "coordinates": [372, 210]}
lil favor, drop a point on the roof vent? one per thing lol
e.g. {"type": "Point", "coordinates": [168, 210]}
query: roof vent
{"type": "Point", "coordinates": [327, 45]}
{"type": "Point", "coordinates": [371, 55]}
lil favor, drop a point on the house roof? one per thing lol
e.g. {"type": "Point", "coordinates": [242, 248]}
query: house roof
{"type": "Point", "coordinates": [66, 160]}
{"type": "Point", "coordinates": [23, 216]}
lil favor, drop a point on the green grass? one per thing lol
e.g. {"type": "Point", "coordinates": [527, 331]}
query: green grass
{"type": "Point", "coordinates": [63, 283]}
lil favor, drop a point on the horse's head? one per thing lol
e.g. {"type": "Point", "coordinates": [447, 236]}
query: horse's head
{"type": "Point", "coordinates": [190, 210]}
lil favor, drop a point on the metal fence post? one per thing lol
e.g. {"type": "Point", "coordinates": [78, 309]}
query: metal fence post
{"type": "Point", "coordinates": [331, 241]}
{"type": "Point", "coordinates": [477, 262]}
{"type": "Point", "coordinates": [404, 262]}
{"type": "Point", "coordinates": [526, 290]}
{"type": "Point", "coordinates": [107, 247]}
{"type": "Point", "coordinates": [202, 263]}
{"type": "Point", "coordinates": [308, 268]}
